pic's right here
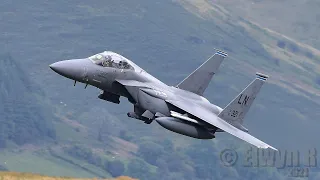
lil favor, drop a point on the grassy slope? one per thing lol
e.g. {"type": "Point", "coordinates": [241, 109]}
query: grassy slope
{"type": "Point", "coordinates": [294, 18]}
{"type": "Point", "coordinates": [29, 176]}
{"type": "Point", "coordinates": [303, 62]}
{"type": "Point", "coordinates": [44, 163]}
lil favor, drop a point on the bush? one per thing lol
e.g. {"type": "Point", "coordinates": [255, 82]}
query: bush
{"type": "Point", "coordinates": [194, 40]}
{"type": "Point", "coordinates": [80, 151]}
{"type": "Point", "coordinates": [167, 145]}
{"type": "Point", "coordinates": [137, 168]}
{"type": "Point", "coordinates": [318, 80]}
{"type": "Point", "coordinates": [126, 135]}
{"type": "Point", "coordinates": [309, 55]}
{"type": "Point", "coordinates": [277, 61]}
{"type": "Point", "coordinates": [3, 168]}
{"type": "Point", "coordinates": [3, 142]}
{"type": "Point", "coordinates": [293, 48]}
{"type": "Point", "coordinates": [150, 151]}
{"type": "Point", "coordinates": [281, 44]}
{"type": "Point", "coordinates": [115, 168]}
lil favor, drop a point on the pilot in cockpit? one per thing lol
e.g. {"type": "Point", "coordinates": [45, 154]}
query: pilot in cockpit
{"type": "Point", "coordinates": [106, 60]}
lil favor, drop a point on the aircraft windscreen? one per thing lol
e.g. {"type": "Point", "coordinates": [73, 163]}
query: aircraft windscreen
{"type": "Point", "coordinates": [107, 59]}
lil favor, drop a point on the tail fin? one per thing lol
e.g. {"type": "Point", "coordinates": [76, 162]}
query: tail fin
{"type": "Point", "coordinates": [198, 80]}
{"type": "Point", "coordinates": [236, 110]}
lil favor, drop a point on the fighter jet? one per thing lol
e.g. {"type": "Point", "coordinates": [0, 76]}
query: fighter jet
{"type": "Point", "coordinates": [181, 108]}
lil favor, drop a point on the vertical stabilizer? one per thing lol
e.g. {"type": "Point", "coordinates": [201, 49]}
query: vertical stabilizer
{"type": "Point", "coordinates": [236, 110]}
{"type": "Point", "coordinates": [198, 80]}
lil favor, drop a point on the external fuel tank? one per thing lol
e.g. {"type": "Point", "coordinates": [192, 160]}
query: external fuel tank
{"type": "Point", "coordinates": [184, 127]}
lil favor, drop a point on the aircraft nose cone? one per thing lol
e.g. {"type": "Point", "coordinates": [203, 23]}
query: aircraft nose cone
{"type": "Point", "coordinates": [56, 67]}
{"type": "Point", "coordinates": [63, 68]}
{"type": "Point", "coordinates": [73, 69]}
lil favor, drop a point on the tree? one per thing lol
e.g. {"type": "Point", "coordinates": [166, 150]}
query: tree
{"type": "Point", "coordinates": [167, 145]}
{"type": "Point", "coordinates": [115, 168]}
{"type": "Point", "coordinates": [203, 156]}
{"type": "Point", "coordinates": [80, 151]}
{"type": "Point", "coordinates": [281, 44]}
{"type": "Point", "coordinates": [3, 168]}
{"type": "Point", "coordinates": [137, 168]}
{"type": "Point", "coordinates": [126, 135]}
{"type": "Point", "coordinates": [318, 80]}
{"type": "Point", "coordinates": [150, 151]}
{"type": "Point", "coordinates": [175, 176]}
{"type": "Point", "coordinates": [294, 48]}
{"type": "Point", "coordinates": [2, 142]}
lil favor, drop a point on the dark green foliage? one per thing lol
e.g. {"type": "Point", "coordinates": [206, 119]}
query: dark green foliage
{"type": "Point", "coordinates": [162, 166]}
{"type": "Point", "coordinates": [139, 169]}
{"type": "Point", "coordinates": [194, 40]}
{"type": "Point", "coordinates": [167, 145]}
{"type": "Point", "coordinates": [318, 80]}
{"type": "Point", "coordinates": [293, 48]}
{"type": "Point", "coordinates": [309, 54]}
{"type": "Point", "coordinates": [115, 168]}
{"type": "Point", "coordinates": [202, 154]}
{"type": "Point", "coordinates": [97, 160]}
{"type": "Point", "coordinates": [81, 151]}
{"type": "Point", "coordinates": [281, 44]}
{"type": "Point", "coordinates": [277, 61]}
{"type": "Point", "coordinates": [174, 161]}
{"type": "Point", "coordinates": [126, 135]}
{"type": "Point", "coordinates": [150, 151]}
{"type": "Point", "coordinates": [100, 136]}
{"type": "Point", "coordinates": [23, 118]}
{"type": "Point", "coordinates": [3, 168]}
{"type": "Point", "coordinates": [175, 176]}
{"type": "Point", "coordinates": [3, 142]}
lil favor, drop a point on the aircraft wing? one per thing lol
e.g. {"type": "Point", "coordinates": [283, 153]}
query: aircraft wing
{"type": "Point", "coordinates": [214, 120]}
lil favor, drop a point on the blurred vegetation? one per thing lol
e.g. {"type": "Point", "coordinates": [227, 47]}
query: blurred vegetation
{"type": "Point", "coordinates": [3, 168]}
{"type": "Point", "coordinates": [23, 118]}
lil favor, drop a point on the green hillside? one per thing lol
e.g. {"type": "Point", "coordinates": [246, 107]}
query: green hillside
{"type": "Point", "coordinates": [48, 126]}
{"type": "Point", "coordinates": [293, 18]}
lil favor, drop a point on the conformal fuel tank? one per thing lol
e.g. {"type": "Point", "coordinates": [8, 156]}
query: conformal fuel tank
{"type": "Point", "coordinates": [184, 127]}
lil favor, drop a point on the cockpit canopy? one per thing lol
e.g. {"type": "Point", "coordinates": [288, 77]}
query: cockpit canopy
{"type": "Point", "coordinates": [110, 59]}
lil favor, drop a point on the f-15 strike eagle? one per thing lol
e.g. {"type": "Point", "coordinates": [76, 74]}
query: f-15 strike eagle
{"type": "Point", "coordinates": [181, 108]}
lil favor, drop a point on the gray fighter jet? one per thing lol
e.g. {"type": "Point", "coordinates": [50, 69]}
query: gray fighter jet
{"type": "Point", "coordinates": [181, 108]}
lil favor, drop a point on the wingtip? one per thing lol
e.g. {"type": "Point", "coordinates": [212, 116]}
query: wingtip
{"type": "Point", "coordinates": [221, 53]}
{"type": "Point", "coordinates": [273, 148]}
{"type": "Point", "coordinates": [268, 147]}
{"type": "Point", "coordinates": [261, 76]}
